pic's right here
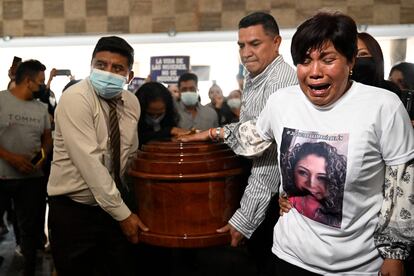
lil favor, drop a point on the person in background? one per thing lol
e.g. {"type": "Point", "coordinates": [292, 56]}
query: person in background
{"type": "Point", "coordinates": [69, 84]}
{"type": "Point", "coordinates": [369, 64]}
{"type": "Point", "coordinates": [12, 72]}
{"type": "Point", "coordinates": [234, 103]}
{"type": "Point", "coordinates": [159, 118]}
{"type": "Point", "coordinates": [374, 233]}
{"type": "Point", "coordinates": [193, 115]}
{"type": "Point", "coordinates": [91, 217]}
{"type": "Point", "coordinates": [25, 140]}
{"type": "Point", "coordinates": [259, 41]}
{"type": "Point", "coordinates": [218, 103]}
{"type": "Point", "coordinates": [402, 74]}
{"type": "Point", "coordinates": [175, 92]}
{"type": "Point", "coordinates": [216, 97]}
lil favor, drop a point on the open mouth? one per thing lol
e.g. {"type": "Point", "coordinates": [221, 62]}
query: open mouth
{"type": "Point", "coordinates": [319, 88]}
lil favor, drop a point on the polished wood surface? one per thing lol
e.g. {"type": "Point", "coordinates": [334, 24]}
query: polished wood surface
{"type": "Point", "coordinates": [185, 191]}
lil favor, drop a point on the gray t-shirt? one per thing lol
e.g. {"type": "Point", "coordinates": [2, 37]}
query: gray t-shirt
{"type": "Point", "coordinates": [206, 117]}
{"type": "Point", "coordinates": [22, 124]}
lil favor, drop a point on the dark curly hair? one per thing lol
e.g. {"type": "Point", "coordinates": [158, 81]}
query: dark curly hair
{"type": "Point", "coordinates": [335, 171]}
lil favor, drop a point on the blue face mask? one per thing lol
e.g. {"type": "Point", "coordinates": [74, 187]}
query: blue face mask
{"type": "Point", "coordinates": [106, 84]}
{"type": "Point", "coordinates": [189, 98]}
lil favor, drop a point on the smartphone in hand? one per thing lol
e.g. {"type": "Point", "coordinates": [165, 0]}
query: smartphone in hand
{"type": "Point", "coordinates": [39, 157]}
{"type": "Point", "coordinates": [63, 72]}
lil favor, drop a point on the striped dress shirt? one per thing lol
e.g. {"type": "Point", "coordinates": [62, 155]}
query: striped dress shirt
{"type": "Point", "coordinates": [264, 179]}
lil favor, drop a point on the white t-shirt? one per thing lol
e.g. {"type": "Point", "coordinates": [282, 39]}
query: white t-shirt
{"type": "Point", "coordinates": [330, 230]}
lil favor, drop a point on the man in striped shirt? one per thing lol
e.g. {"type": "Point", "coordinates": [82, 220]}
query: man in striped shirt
{"type": "Point", "coordinates": [259, 42]}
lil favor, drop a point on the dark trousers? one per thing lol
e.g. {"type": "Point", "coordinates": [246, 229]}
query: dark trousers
{"type": "Point", "coordinates": [260, 243]}
{"type": "Point", "coordinates": [27, 197]}
{"type": "Point", "coordinates": [85, 240]}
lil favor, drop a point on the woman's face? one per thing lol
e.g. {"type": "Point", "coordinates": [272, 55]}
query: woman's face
{"type": "Point", "coordinates": [215, 92]}
{"type": "Point", "coordinates": [323, 76]}
{"type": "Point", "coordinates": [310, 175]}
{"type": "Point", "coordinates": [397, 77]}
{"type": "Point", "coordinates": [362, 49]}
{"type": "Point", "coordinates": [156, 108]}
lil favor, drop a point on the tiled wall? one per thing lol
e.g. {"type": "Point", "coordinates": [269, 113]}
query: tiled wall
{"type": "Point", "coordinates": [60, 17]}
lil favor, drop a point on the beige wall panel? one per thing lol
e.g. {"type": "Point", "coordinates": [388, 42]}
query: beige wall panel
{"type": "Point", "coordinates": [254, 5]}
{"type": "Point", "coordinates": [230, 19]}
{"type": "Point", "coordinates": [285, 18]}
{"type": "Point", "coordinates": [54, 26]}
{"type": "Point", "coordinates": [162, 24]}
{"type": "Point", "coordinates": [186, 22]}
{"type": "Point", "coordinates": [360, 3]}
{"type": "Point", "coordinates": [13, 27]}
{"type": "Point", "coordinates": [282, 4]}
{"type": "Point", "coordinates": [33, 27]}
{"type": "Point", "coordinates": [118, 7]}
{"type": "Point", "coordinates": [75, 26]}
{"type": "Point", "coordinates": [386, 14]}
{"type": "Point", "coordinates": [118, 24]}
{"type": "Point", "coordinates": [96, 7]}
{"type": "Point", "coordinates": [53, 8]}
{"type": "Point", "coordinates": [210, 5]}
{"type": "Point", "coordinates": [407, 12]}
{"type": "Point", "coordinates": [184, 15]}
{"type": "Point", "coordinates": [74, 9]}
{"type": "Point", "coordinates": [234, 5]}
{"type": "Point", "coordinates": [210, 21]}
{"type": "Point", "coordinates": [33, 10]}
{"type": "Point", "coordinates": [140, 7]}
{"type": "Point", "coordinates": [12, 9]}
{"type": "Point", "coordinates": [186, 6]}
{"type": "Point", "coordinates": [140, 24]}
{"type": "Point", "coordinates": [163, 8]}
{"type": "Point", "coordinates": [95, 24]}
{"type": "Point", "coordinates": [361, 14]}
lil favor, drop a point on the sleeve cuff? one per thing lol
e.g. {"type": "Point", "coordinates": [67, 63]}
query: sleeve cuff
{"type": "Point", "coordinates": [394, 253]}
{"type": "Point", "coordinates": [242, 225]}
{"type": "Point", "coordinates": [120, 213]}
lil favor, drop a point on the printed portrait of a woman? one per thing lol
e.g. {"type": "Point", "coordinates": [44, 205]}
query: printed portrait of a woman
{"type": "Point", "coordinates": [314, 177]}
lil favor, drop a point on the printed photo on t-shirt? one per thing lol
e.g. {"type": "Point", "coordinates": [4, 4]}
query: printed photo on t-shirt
{"type": "Point", "coordinates": [313, 173]}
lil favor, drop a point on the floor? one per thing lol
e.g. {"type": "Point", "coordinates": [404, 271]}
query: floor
{"type": "Point", "coordinates": [12, 261]}
{"type": "Point", "coordinates": [223, 260]}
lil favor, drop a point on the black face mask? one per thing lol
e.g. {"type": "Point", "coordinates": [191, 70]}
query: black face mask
{"type": "Point", "coordinates": [41, 93]}
{"type": "Point", "coordinates": [365, 71]}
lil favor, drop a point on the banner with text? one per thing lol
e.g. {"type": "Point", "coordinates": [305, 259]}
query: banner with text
{"type": "Point", "coordinates": [168, 69]}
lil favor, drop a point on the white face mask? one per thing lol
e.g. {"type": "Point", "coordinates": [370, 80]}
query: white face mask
{"type": "Point", "coordinates": [234, 103]}
{"type": "Point", "coordinates": [189, 98]}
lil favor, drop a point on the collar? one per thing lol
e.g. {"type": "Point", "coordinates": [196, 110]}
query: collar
{"type": "Point", "coordinates": [257, 79]}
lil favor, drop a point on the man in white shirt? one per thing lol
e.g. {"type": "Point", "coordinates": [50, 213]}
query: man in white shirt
{"type": "Point", "coordinates": [90, 222]}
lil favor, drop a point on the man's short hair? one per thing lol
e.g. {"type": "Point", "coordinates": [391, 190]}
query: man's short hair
{"type": "Point", "coordinates": [117, 45]}
{"type": "Point", "coordinates": [186, 77]}
{"type": "Point", "coordinates": [28, 69]}
{"type": "Point", "coordinates": [261, 18]}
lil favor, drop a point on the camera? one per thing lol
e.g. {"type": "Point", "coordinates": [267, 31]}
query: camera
{"type": "Point", "coordinates": [63, 72]}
